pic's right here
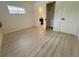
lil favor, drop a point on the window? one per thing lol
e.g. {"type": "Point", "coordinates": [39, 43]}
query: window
{"type": "Point", "coordinates": [16, 10]}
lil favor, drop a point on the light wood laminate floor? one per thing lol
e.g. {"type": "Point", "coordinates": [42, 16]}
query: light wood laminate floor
{"type": "Point", "coordinates": [37, 42]}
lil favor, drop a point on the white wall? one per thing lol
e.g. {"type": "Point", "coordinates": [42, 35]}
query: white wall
{"type": "Point", "coordinates": [16, 22]}
{"type": "Point", "coordinates": [71, 11]}
{"type": "Point", "coordinates": [13, 23]}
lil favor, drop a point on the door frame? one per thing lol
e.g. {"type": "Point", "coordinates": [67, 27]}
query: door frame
{"type": "Point", "coordinates": [54, 2]}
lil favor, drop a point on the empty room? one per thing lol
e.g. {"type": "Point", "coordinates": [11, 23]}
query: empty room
{"type": "Point", "coordinates": [39, 28]}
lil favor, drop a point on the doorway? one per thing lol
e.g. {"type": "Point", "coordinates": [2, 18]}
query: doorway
{"type": "Point", "coordinates": [50, 9]}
